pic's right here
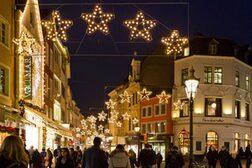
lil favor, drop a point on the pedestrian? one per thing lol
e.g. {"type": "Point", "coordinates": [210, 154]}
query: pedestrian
{"type": "Point", "coordinates": [147, 157]}
{"type": "Point", "coordinates": [12, 153]}
{"type": "Point", "coordinates": [223, 157]}
{"type": "Point", "coordinates": [239, 156]}
{"type": "Point", "coordinates": [43, 156]}
{"type": "Point", "coordinates": [95, 157]}
{"type": "Point", "coordinates": [248, 155]}
{"type": "Point", "coordinates": [48, 159]}
{"type": "Point", "coordinates": [159, 159]}
{"type": "Point", "coordinates": [56, 152]}
{"type": "Point", "coordinates": [132, 158]}
{"type": "Point", "coordinates": [31, 150]}
{"type": "Point", "coordinates": [36, 159]}
{"type": "Point", "coordinates": [119, 158]}
{"type": "Point", "coordinates": [232, 162]}
{"type": "Point", "coordinates": [64, 161]}
{"type": "Point", "coordinates": [174, 159]}
{"type": "Point", "coordinates": [212, 157]}
{"type": "Point", "coordinates": [78, 159]}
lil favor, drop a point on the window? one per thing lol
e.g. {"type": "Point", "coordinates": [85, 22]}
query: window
{"type": "Point", "coordinates": [4, 81]}
{"type": "Point", "coordinates": [144, 112]}
{"type": "Point", "coordinates": [247, 82]}
{"type": "Point", "coordinates": [208, 75]}
{"type": "Point", "coordinates": [143, 128]}
{"type": "Point", "coordinates": [162, 108]}
{"type": "Point", "coordinates": [212, 140]}
{"type": "Point", "coordinates": [56, 111]}
{"type": "Point", "coordinates": [149, 128]}
{"type": "Point", "coordinates": [184, 76]}
{"type": "Point", "coordinates": [4, 32]}
{"type": "Point", "coordinates": [217, 75]}
{"type": "Point", "coordinates": [159, 109]}
{"type": "Point", "coordinates": [198, 145]}
{"type": "Point", "coordinates": [162, 125]}
{"type": "Point", "coordinates": [237, 109]}
{"type": "Point", "coordinates": [57, 85]}
{"type": "Point", "coordinates": [184, 110]}
{"type": "Point", "coordinates": [157, 127]}
{"type": "Point", "coordinates": [237, 79]}
{"type": "Point", "coordinates": [129, 124]}
{"type": "Point", "coordinates": [247, 111]}
{"type": "Point", "coordinates": [149, 112]}
{"type": "Point", "coordinates": [57, 56]}
{"type": "Point", "coordinates": [213, 107]}
{"type": "Point", "coordinates": [246, 142]}
{"type": "Point", "coordinates": [237, 142]}
{"type": "Point", "coordinates": [212, 49]}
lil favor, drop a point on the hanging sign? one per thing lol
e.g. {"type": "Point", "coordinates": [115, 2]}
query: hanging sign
{"type": "Point", "coordinates": [28, 77]}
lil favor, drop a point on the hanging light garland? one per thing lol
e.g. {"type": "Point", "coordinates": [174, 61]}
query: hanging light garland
{"type": "Point", "coordinates": [174, 43]}
{"type": "Point", "coordinates": [135, 121]}
{"type": "Point", "coordinates": [110, 104]}
{"type": "Point", "coordinates": [144, 94]}
{"type": "Point", "coordinates": [140, 27]}
{"type": "Point", "coordinates": [102, 116]}
{"type": "Point", "coordinates": [97, 21]}
{"type": "Point", "coordinates": [56, 27]}
{"type": "Point", "coordinates": [126, 116]}
{"type": "Point", "coordinates": [178, 105]}
{"type": "Point", "coordinates": [163, 97]}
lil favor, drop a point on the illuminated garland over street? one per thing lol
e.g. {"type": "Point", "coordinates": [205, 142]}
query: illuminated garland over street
{"type": "Point", "coordinates": [97, 21]}
{"type": "Point", "coordinates": [125, 97]}
{"type": "Point", "coordinates": [24, 43]}
{"type": "Point", "coordinates": [140, 27]}
{"type": "Point", "coordinates": [144, 94]}
{"type": "Point", "coordinates": [56, 27]}
{"type": "Point", "coordinates": [174, 43]}
{"type": "Point", "coordinates": [163, 97]}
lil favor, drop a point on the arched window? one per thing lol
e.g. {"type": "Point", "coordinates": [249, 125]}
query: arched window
{"type": "Point", "coordinates": [237, 142]}
{"type": "Point", "coordinates": [246, 142]}
{"type": "Point", "coordinates": [212, 140]}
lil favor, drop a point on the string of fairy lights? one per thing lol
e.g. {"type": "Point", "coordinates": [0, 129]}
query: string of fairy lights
{"type": "Point", "coordinates": [140, 28]}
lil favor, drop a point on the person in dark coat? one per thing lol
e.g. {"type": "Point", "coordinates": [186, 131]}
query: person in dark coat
{"type": "Point", "coordinates": [12, 153]}
{"type": "Point", "coordinates": [64, 161]}
{"type": "Point", "coordinates": [223, 156]}
{"type": "Point", "coordinates": [174, 159]}
{"type": "Point", "coordinates": [147, 157]}
{"type": "Point", "coordinates": [239, 156]}
{"type": "Point", "coordinates": [212, 157]}
{"type": "Point", "coordinates": [95, 157]}
{"type": "Point", "coordinates": [231, 161]}
{"type": "Point", "coordinates": [248, 155]}
{"type": "Point", "coordinates": [132, 158]}
{"type": "Point", "coordinates": [159, 159]}
{"type": "Point", "coordinates": [36, 159]}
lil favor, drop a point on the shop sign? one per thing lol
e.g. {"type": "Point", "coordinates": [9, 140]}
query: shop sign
{"type": "Point", "coordinates": [218, 120]}
{"type": "Point", "coordinates": [27, 77]}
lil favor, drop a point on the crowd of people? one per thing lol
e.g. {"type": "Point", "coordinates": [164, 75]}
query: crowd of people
{"type": "Point", "coordinates": [13, 154]}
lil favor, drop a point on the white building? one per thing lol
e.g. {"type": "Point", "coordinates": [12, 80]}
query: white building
{"type": "Point", "coordinates": [222, 106]}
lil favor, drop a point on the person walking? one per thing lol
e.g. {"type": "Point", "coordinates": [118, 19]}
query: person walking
{"type": "Point", "coordinates": [12, 153]}
{"type": "Point", "coordinates": [36, 159]}
{"type": "Point", "coordinates": [231, 161]}
{"type": "Point", "coordinates": [174, 159]}
{"type": "Point", "coordinates": [64, 161]}
{"type": "Point", "coordinates": [48, 159]}
{"type": "Point", "coordinates": [159, 159]}
{"type": "Point", "coordinates": [223, 157]}
{"type": "Point", "coordinates": [95, 157]}
{"type": "Point", "coordinates": [119, 158]}
{"type": "Point", "coordinates": [212, 157]}
{"type": "Point", "coordinates": [132, 158]}
{"type": "Point", "coordinates": [147, 157]}
{"type": "Point", "coordinates": [248, 155]}
{"type": "Point", "coordinates": [239, 156]}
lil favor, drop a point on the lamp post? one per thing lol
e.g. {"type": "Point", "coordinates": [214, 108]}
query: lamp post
{"type": "Point", "coordinates": [191, 85]}
{"type": "Point", "coordinates": [137, 130]}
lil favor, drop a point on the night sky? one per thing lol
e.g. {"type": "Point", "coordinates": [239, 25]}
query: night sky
{"type": "Point", "coordinates": [101, 62]}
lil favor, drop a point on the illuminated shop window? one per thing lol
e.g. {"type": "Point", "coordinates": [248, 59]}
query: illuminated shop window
{"type": "Point", "coordinates": [212, 139]}
{"type": "Point", "coordinates": [246, 142]}
{"type": "Point", "coordinates": [218, 75]}
{"type": "Point", "coordinates": [208, 75]}
{"type": "Point", "coordinates": [184, 141]}
{"type": "Point", "coordinates": [237, 142]}
{"type": "Point", "coordinates": [213, 107]}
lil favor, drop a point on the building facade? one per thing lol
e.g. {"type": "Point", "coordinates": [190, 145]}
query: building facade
{"type": "Point", "coordinates": [222, 112]}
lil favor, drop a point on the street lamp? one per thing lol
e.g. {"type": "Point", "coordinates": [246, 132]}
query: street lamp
{"type": "Point", "coordinates": [137, 130]}
{"type": "Point", "coordinates": [191, 85]}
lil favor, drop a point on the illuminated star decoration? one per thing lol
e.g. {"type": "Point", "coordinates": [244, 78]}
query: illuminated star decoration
{"type": "Point", "coordinates": [144, 94]}
{"type": "Point", "coordinates": [107, 131]}
{"type": "Point", "coordinates": [102, 116]}
{"type": "Point", "coordinates": [125, 97]}
{"type": "Point", "coordinates": [135, 121]}
{"type": "Point", "coordinates": [140, 27]}
{"type": "Point", "coordinates": [24, 43]}
{"type": "Point", "coordinates": [97, 21]}
{"type": "Point", "coordinates": [110, 104]}
{"type": "Point", "coordinates": [118, 124]}
{"type": "Point", "coordinates": [92, 119]}
{"type": "Point", "coordinates": [163, 97]}
{"type": "Point", "coordinates": [56, 27]}
{"type": "Point", "coordinates": [100, 127]}
{"type": "Point", "coordinates": [178, 105]}
{"type": "Point", "coordinates": [174, 43]}
{"type": "Point", "coordinates": [126, 116]}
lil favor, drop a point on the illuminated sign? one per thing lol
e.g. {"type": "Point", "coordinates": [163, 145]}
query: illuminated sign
{"type": "Point", "coordinates": [27, 77]}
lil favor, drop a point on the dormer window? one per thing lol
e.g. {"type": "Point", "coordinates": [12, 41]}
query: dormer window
{"type": "Point", "coordinates": [213, 47]}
